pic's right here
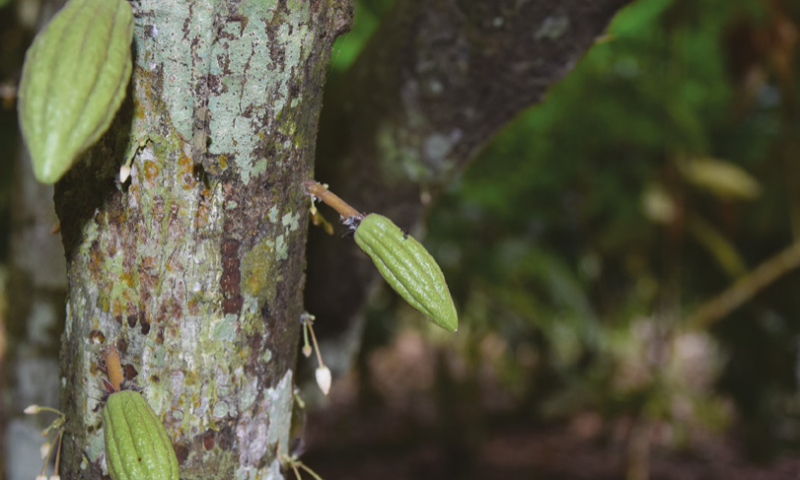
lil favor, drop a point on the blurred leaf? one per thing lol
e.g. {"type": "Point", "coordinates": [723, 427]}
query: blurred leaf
{"type": "Point", "coordinates": [591, 170]}
{"type": "Point", "coordinates": [722, 249]}
{"type": "Point", "coordinates": [347, 47]}
{"type": "Point", "coordinates": [720, 177]}
{"type": "Point", "coordinates": [658, 205]}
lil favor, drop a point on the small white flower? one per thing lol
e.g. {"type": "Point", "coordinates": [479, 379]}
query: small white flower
{"type": "Point", "coordinates": [307, 351]}
{"type": "Point", "coordinates": [124, 173]}
{"type": "Point", "coordinates": [55, 477]}
{"type": "Point", "coordinates": [323, 375]}
{"type": "Point", "coordinates": [41, 477]}
{"type": "Point", "coordinates": [44, 450]}
{"type": "Point", "coordinates": [32, 410]}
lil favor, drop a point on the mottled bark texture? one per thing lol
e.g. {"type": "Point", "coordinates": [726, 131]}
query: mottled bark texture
{"type": "Point", "coordinates": [194, 267]}
{"type": "Point", "coordinates": [437, 80]}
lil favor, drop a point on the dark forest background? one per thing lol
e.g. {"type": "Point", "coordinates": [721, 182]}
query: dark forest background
{"type": "Point", "coordinates": [624, 257]}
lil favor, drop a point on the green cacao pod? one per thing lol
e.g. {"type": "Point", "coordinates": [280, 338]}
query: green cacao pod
{"type": "Point", "coordinates": [408, 268]}
{"type": "Point", "coordinates": [137, 446]}
{"type": "Point", "coordinates": [73, 82]}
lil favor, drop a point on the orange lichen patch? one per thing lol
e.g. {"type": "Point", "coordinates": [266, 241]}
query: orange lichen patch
{"type": "Point", "coordinates": [185, 164]}
{"type": "Point", "coordinates": [186, 172]}
{"type": "Point", "coordinates": [113, 367]}
{"type": "Point", "coordinates": [223, 161]}
{"type": "Point", "coordinates": [127, 278]}
{"type": "Point", "coordinates": [150, 170]}
{"type": "Point", "coordinates": [192, 306]}
{"type": "Point", "coordinates": [174, 264]}
{"type": "Point", "coordinates": [201, 219]}
{"type": "Point", "coordinates": [188, 181]}
{"type": "Point", "coordinates": [117, 216]}
{"type": "Point", "coordinates": [96, 262]}
{"type": "Point", "coordinates": [148, 93]}
{"type": "Point", "coordinates": [117, 307]}
{"type": "Point", "coordinates": [138, 111]}
{"type": "Point", "coordinates": [149, 266]}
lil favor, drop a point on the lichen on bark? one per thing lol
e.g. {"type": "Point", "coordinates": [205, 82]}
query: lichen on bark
{"type": "Point", "coordinates": [194, 267]}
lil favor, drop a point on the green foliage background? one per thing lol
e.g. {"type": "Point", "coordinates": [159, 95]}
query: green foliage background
{"type": "Point", "coordinates": [550, 250]}
{"type": "Point", "coordinates": [572, 292]}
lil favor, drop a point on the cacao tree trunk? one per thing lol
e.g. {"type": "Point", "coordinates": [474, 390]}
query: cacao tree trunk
{"type": "Point", "coordinates": [194, 267]}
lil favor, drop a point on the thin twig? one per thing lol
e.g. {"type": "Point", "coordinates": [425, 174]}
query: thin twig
{"type": "Point", "coordinates": [58, 452]}
{"type": "Point", "coordinates": [316, 346]}
{"type": "Point", "coordinates": [49, 453]}
{"type": "Point", "coordinates": [49, 409]}
{"type": "Point", "coordinates": [310, 472]}
{"type": "Point", "coordinates": [318, 190]}
{"type": "Point", "coordinates": [296, 473]}
{"type": "Point", "coordinates": [747, 287]}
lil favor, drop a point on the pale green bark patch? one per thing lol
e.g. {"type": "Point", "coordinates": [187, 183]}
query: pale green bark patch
{"type": "Point", "coordinates": [552, 28]}
{"type": "Point", "coordinates": [224, 329]}
{"type": "Point", "coordinates": [267, 426]}
{"type": "Point", "coordinates": [281, 402]}
{"type": "Point", "coordinates": [258, 273]}
{"type": "Point", "coordinates": [290, 220]}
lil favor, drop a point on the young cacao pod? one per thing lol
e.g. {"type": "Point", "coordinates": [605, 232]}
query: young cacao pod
{"type": "Point", "coordinates": [137, 446]}
{"type": "Point", "coordinates": [73, 82]}
{"type": "Point", "coordinates": [409, 269]}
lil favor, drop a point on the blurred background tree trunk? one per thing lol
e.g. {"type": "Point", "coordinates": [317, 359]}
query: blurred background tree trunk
{"type": "Point", "coordinates": [437, 80]}
{"type": "Point", "coordinates": [194, 267]}
{"type": "Point", "coordinates": [37, 288]}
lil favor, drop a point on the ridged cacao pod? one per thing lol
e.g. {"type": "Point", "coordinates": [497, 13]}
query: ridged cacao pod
{"type": "Point", "coordinates": [73, 82]}
{"type": "Point", "coordinates": [409, 269]}
{"type": "Point", "coordinates": [137, 446]}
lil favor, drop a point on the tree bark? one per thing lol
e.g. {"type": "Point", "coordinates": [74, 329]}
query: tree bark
{"type": "Point", "coordinates": [194, 268]}
{"type": "Point", "coordinates": [435, 83]}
